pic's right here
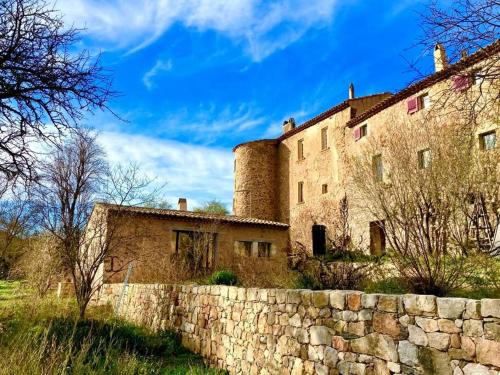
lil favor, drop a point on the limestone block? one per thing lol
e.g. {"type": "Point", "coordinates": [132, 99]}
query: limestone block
{"type": "Point", "coordinates": [448, 326]}
{"type": "Point", "coordinates": [386, 323]}
{"type": "Point", "coordinates": [315, 353]}
{"type": "Point", "coordinates": [417, 336]}
{"type": "Point", "coordinates": [354, 300]}
{"type": "Point", "coordinates": [293, 296]}
{"type": "Point", "coordinates": [369, 301]}
{"type": "Point", "coordinates": [487, 352]}
{"type": "Point", "coordinates": [415, 304]}
{"type": "Point", "coordinates": [320, 299]}
{"type": "Point", "coordinates": [427, 324]}
{"type": "Point", "coordinates": [408, 353]}
{"type": "Point", "coordinates": [473, 328]}
{"type": "Point", "coordinates": [377, 345]}
{"type": "Point", "coordinates": [330, 357]}
{"type": "Point", "coordinates": [295, 321]}
{"type": "Point", "coordinates": [320, 369]}
{"type": "Point", "coordinates": [472, 309]}
{"type": "Point", "coordinates": [475, 369]}
{"type": "Point", "coordinates": [365, 314]}
{"type": "Point", "coordinates": [439, 340]}
{"type": "Point", "coordinates": [388, 303]}
{"type": "Point", "coordinates": [492, 331]}
{"type": "Point", "coordinates": [451, 308]}
{"type": "Point", "coordinates": [490, 307]}
{"type": "Point", "coordinates": [320, 335]}
{"type": "Point", "coordinates": [356, 328]}
{"type": "Point", "coordinates": [434, 361]}
{"type": "Point", "coordinates": [339, 343]}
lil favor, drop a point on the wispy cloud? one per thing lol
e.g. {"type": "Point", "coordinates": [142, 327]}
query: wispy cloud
{"type": "Point", "coordinates": [261, 27]}
{"type": "Point", "coordinates": [158, 67]}
{"type": "Point", "coordinates": [198, 173]}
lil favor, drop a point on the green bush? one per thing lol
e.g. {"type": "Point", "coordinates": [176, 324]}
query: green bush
{"type": "Point", "coordinates": [223, 277]}
{"type": "Point", "coordinates": [386, 286]}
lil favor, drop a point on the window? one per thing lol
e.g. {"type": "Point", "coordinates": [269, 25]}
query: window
{"type": "Point", "coordinates": [300, 149]}
{"type": "Point", "coordinates": [360, 132]}
{"type": "Point", "coordinates": [324, 138]}
{"type": "Point", "coordinates": [363, 130]}
{"type": "Point", "coordinates": [324, 188]}
{"type": "Point", "coordinates": [300, 192]}
{"type": "Point", "coordinates": [424, 158]}
{"type": "Point", "coordinates": [319, 239]}
{"type": "Point", "coordinates": [378, 168]}
{"type": "Point", "coordinates": [197, 244]}
{"type": "Point", "coordinates": [488, 141]}
{"type": "Point", "coordinates": [264, 249]}
{"type": "Point", "coordinates": [424, 101]}
{"type": "Point", "coordinates": [478, 78]}
{"type": "Point", "coordinates": [245, 248]}
{"type": "Point", "coordinates": [377, 237]}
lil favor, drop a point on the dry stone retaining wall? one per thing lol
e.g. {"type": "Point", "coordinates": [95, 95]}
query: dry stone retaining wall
{"type": "Point", "coordinates": [277, 331]}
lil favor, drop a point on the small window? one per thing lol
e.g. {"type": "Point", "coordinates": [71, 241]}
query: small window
{"type": "Point", "coordinates": [234, 166]}
{"type": "Point", "coordinates": [300, 195]}
{"type": "Point", "coordinates": [488, 141]}
{"type": "Point", "coordinates": [424, 158]}
{"type": "Point", "coordinates": [324, 138]}
{"type": "Point", "coordinates": [324, 188]}
{"type": "Point", "coordinates": [363, 131]}
{"type": "Point", "coordinates": [243, 248]}
{"type": "Point", "coordinates": [300, 149]}
{"type": "Point", "coordinates": [378, 168]}
{"type": "Point", "coordinates": [264, 249]}
{"type": "Point", "coordinates": [477, 78]}
{"type": "Point", "coordinates": [424, 101]}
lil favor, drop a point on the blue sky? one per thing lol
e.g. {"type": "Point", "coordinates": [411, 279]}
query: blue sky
{"type": "Point", "coordinates": [198, 77]}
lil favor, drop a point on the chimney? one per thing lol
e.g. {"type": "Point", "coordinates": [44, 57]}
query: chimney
{"type": "Point", "coordinates": [351, 91]}
{"type": "Point", "coordinates": [182, 204]}
{"type": "Point", "coordinates": [440, 60]}
{"type": "Point", "coordinates": [288, 125]}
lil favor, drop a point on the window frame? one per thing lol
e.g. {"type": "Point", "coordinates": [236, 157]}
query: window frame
{"type": "Point", "coordinates": [324, 139]}
{"type": "Point", "coordinates": [482, 138]}
{"type": "Point", "coordinates": [421, 101]}
{"type": "Point", "coordinates": [324, 189]}
{"type": "Point", "coordinates": [363, 131]}
{"type": "Point", "coordinates": [300, 192]}
{"type": "Point", "coordinates": [421, 159]}
{"type": "Point", "coordinates": [378, 173]}
{"type": "Point", "coordinates": [300, 149]}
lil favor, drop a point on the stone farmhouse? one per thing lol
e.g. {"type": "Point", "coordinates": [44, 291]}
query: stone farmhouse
{"type": "Point", "coordinates": [283, 187]}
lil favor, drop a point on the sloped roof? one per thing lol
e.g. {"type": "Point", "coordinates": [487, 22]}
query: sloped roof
{"type": "Point", "coordinates": [191, 216]}
{"type": "Point", "coordinates": [430, 80]}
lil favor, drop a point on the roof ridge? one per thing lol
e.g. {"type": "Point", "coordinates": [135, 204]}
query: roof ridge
{"type": "Point", "coordinates": [192, 215]}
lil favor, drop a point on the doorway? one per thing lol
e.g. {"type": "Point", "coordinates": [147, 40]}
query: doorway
{"type": "Point", "coordinates": [319, 239]}
{"type": "Point", "coordinates": [377, 238]}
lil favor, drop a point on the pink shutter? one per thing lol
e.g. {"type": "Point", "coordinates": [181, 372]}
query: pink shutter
{"type": "Point", "coordinates": [412, 105]}
{"type": "Point", "coordinates": [357, 134]}
{"type": "Point", "coordinates": [460, 82]}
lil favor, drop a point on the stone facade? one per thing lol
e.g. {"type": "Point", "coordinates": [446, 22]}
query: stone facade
{"type": "Point", "coordinates": [323, 173]}
{"type": "Point", "coordinates": [279, 331]}
{"type": "Point", "coordinates": [146, 239]}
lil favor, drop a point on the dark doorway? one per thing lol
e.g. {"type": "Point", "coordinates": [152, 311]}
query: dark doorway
{"type": "Point", "coordinates": [377, 238]}
{"type": "Point", "coordinates": [319, 239]}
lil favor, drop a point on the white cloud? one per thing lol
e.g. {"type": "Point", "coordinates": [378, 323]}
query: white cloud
{"type": "Point", "coordinates": [263, 27]}
{"type": "Point", "coordinates": [158, 67]}
{"type": "Point", "coordinates": [198, 173]}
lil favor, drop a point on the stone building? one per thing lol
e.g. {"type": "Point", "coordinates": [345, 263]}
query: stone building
{"type": "Point", "coordinates": [300, 177]}
{"type": "Point", "coordinates": [286, 190]}
{"type": "Point", "coordinates": [156, 243]}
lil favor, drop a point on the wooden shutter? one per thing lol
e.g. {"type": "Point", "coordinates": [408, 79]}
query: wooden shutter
{"type": "Point", "coordinates": [357, 134]}
{"type": "Point", "coordinates": [412, 105]}
{"type": "Point", "coordinates": [460, 82]}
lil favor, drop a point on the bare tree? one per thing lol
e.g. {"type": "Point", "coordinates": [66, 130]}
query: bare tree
{"type": "Point", "coordinates": [45, 87]}
{"type": "Point", "coordinates": [127, 185]}
{"type": "Point", "coordinates": [424, 199]}
{"type": "Point", "coordinates": [16, 224]}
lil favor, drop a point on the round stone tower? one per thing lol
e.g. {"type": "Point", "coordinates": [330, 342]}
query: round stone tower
{"type": "Point", "coordinates": [256, 179]}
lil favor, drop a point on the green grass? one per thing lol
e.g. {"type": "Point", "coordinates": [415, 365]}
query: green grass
{"type": "Point", "coordinates": [45, 337]}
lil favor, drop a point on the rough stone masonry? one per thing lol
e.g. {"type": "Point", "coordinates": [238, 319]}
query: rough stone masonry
{"type": "Point", "coordinates": [278, 331]}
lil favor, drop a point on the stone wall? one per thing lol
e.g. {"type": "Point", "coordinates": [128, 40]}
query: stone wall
{"type": "Point", "coordinates": [277, 331]}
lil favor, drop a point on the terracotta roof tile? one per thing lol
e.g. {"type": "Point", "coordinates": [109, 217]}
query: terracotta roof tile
{"type": "Point", "coordinates": [192, 216]}
{"type": "Point", "coordinates": [452, 69]}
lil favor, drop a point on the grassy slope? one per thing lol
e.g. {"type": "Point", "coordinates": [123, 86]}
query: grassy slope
{"type": "Point", "coordinates": [42, 337]}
